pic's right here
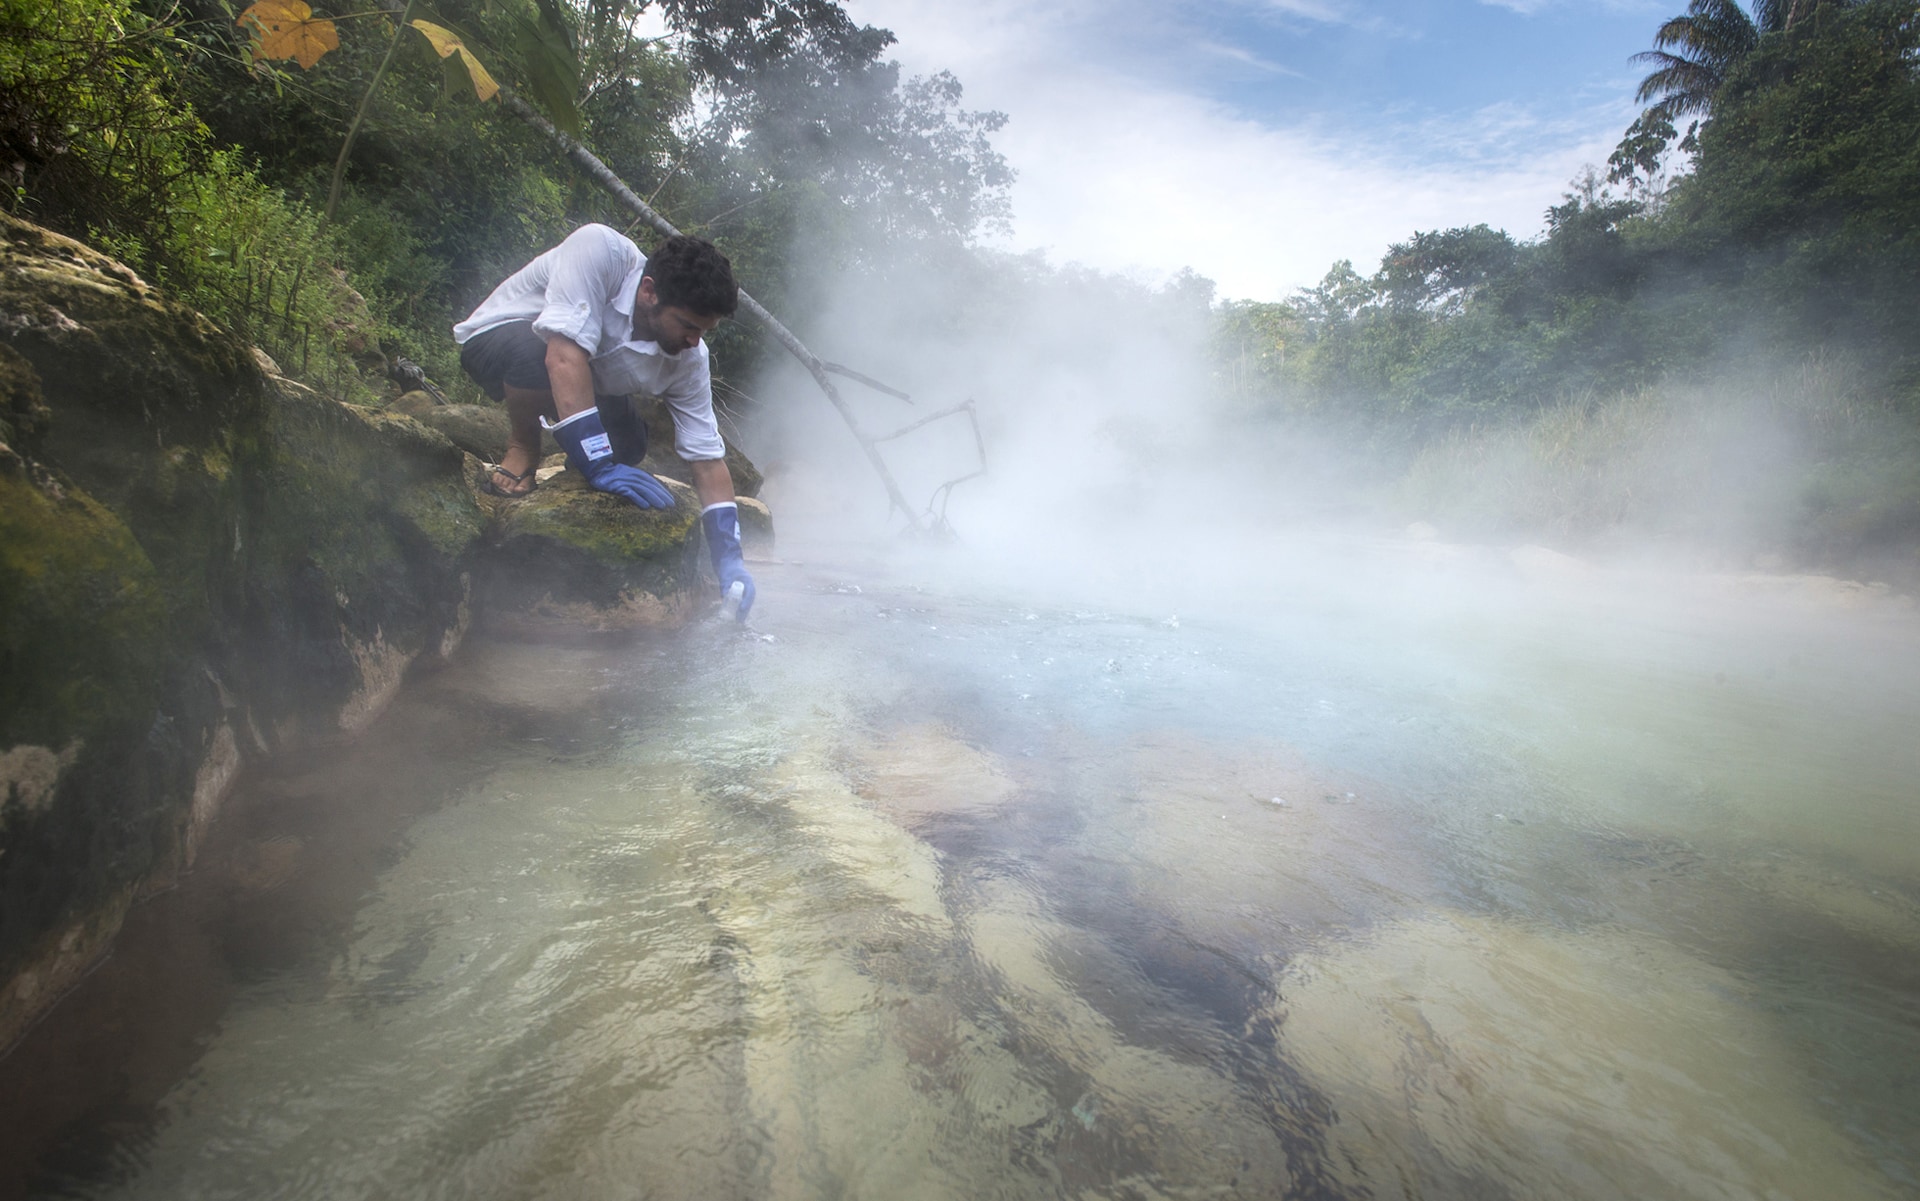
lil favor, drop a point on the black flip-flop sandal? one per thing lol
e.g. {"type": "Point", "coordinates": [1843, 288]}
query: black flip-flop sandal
{"type": "Point", "coordinates": [487, 485]}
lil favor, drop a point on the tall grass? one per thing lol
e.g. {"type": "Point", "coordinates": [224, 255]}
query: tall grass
{"type": "Point", "coordinates": [1803, 466]}
{"type": "Point", "coordinates": [265, 266]}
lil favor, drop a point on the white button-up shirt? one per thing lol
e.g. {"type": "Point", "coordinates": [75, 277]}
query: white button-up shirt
{"type": "Point", "coordinates": [583, 290]}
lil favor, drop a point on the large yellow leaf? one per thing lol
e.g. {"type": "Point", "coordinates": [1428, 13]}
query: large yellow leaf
{"type": "Point", "coordinates": [446, 42]}
{"type": "Point", "coordinates": [288, 29]}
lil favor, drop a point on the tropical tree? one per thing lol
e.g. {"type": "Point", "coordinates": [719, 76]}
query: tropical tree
{"type": "Point", "coordinates": [1440, 272]}
{"type": "Point", "coordinates": [1693, 56]}
{"type": "Point", "coordinates": [1693, 53]}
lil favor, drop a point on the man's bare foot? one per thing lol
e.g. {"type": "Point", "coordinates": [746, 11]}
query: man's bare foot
{"type": "Point", "coordinates": [512, 477]}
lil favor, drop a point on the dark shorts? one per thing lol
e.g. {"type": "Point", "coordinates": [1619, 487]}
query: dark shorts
{"type": "Point", "coordinates": [506, 354]}
{"type": "Point", "coordinates": [513, 355]}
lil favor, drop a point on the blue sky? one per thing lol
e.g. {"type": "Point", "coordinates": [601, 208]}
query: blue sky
{"type": "Point", "coordinates": [1398, 61]}
{"type": "Point", "coordinates": [1282, 134]}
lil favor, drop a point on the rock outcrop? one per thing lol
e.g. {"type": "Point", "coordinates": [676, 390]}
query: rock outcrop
{"type": "Point", "coordinates": [662, 461]}
{"type": "Point", "coordinates": [572, 557]}
{"type": "Point", "coordinates": [202, 563]}
{"type": "Point", "coordinates": [481, 431]}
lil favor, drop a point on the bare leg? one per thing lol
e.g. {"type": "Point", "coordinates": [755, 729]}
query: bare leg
{"type": "Point", "coordinates": [524, 410]}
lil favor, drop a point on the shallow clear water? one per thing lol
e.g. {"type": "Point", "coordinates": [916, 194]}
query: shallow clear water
{"type": "Point", "coordinates": [941, 893]}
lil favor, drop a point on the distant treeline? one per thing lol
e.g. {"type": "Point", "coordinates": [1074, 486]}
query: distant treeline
{"type": "Point", "coordinates": [1784, 222]}
{"type": "Point", "coordinates": [1715, 344]}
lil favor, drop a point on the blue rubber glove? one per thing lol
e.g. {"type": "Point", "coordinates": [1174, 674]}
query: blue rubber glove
{"type": "Point", "coordinates": [584, 437]}
{"type": "Point", "coordinates": [722, 523]}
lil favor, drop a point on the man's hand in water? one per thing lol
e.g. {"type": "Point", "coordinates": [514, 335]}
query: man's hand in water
{"type": "Point", "coordinates": [722, 524]}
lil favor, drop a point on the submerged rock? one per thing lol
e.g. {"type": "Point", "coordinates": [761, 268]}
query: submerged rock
{"type": "Point", "coordinates": [1463, 1055]}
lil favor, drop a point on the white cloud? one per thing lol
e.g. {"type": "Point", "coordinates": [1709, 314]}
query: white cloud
{"type": "Point", "coordinates": [1133, 174]}
{"type": "Point", "coordinates": [1528, 8]}
{"type": "Point", "coordinates": [1312, 10]}
{"type": "Point", "coordinates": [1245, 58]}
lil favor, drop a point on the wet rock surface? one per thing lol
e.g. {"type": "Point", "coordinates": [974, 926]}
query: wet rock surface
{"type": "Point", "coordinates": [568, 556]}
{"type": "Point", "coordinates": [203, 563]}
{"type": "Point", "coordinates": [480, 430]}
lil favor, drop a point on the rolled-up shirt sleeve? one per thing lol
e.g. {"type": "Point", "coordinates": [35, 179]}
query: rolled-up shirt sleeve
{"type": "Point", "coordinates": [696, 435]}
{"type": "Point", "coordinates": [581, 274]}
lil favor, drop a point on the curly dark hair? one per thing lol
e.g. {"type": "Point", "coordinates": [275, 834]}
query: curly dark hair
{"type": "Point", "coordinates": [691, 273]}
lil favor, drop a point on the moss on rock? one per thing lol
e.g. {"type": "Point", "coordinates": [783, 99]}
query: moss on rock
{"type": "Point", "coordinates": [83, 670]}
{"type": "Point", "coordinates": [23, 413]}
{"type": "Point", "coordinates": [187, 548]}
{"type": "Point", "coordinates": [81, 618]}
{"type": "Point", "coordinates": [567, 555]}
{"type": "Point", "coordinates": [201, 561]}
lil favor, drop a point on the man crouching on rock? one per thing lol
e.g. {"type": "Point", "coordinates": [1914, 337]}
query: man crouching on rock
{"type": "Point", "coordinates": [567, 338]}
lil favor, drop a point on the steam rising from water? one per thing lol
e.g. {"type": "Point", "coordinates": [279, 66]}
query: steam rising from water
{"type": "Point", "coordinates": [939, 895]}
{"type": "Point", "coordinates": [1119, 474]}
{"type": "Point", "coordinates": [1173, 834]}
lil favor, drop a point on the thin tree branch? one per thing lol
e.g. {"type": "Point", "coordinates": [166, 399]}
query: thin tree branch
{"type": "Point", "coordinates": [868, 380]}
{"type": "Point", "coordinates": [353, 131]}
{"type": "Point", "coordinates": [671, 172]}
{"type": "Point", "coordinates": [717, 218]}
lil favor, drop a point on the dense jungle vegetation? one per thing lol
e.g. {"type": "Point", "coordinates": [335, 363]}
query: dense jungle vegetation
{"type": "Point", "coordinates": [1732, 311]}
{"type": "Point", "coordinates": [1730, 307]}
{"type": "Point", "coordinates": [155, 130]}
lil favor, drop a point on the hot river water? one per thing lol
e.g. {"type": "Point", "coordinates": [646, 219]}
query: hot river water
{"type": "Point", "coordinates": [937, 892]}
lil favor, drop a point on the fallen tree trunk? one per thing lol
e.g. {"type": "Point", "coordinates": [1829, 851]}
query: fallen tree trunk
{"type": "Point", "coordinates": [603, 175]}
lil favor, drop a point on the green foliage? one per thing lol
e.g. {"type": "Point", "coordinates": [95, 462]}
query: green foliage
{"type": "Point", "coordinates": [1636, 161]}
{"type": "Point", "coordinates": [457, 184]}
{"type": "Point", "coordinates": [1799, 229]}
{"type": "Point", "coordinates": [106, 152]}
{"type": "Point", "coordinates": [1441, 272]}
{"type": "Point", "coordinates": [1809, 180]}
{"type": "Point", "coordinates": [1692, 55]}
{"type": "Point", "coordinates": [1803, 465]}
{"type": "Point", "coordinates": [91, 136]}
{"type": "Point", "coordinates": [1251, 342]}
{"type": "Point", "coordinates": [809, 139]}
{"type": "Point", "coordinates": [1569, 385]}
{"type": "Point", "coordinates": [265, 267]}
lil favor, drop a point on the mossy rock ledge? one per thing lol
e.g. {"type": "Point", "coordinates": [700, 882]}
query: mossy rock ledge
{"type": "Point", "coordinates": [568, 557]}
{"type": "Point", "coordinates": [481, 431]}
{"type": "Point", "coordinates": [203, 563]}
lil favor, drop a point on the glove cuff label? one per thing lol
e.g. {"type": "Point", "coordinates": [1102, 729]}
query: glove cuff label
{"type": "Point", "coordinates": [582, 415]}
{"type": "Point", "coordinates": [596, 447]}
